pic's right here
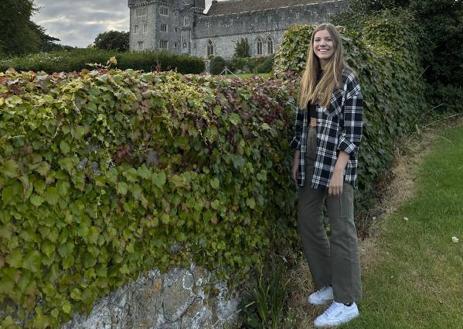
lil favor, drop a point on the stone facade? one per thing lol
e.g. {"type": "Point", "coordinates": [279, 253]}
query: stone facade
{"type": "Point", "coordinates": [178, 299]}
{"type": "Point", "coordinates": [181, 26]}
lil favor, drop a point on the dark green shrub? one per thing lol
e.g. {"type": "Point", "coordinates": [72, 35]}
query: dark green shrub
{"type": "Point", "coordinates": [242, 48]}
{"type": "Point", "coordinates": [266, 66]}
{"type": "Point", "coordinates": [78, 59]}
{"type": "Point", "coordinates": [217, 65]}
{"type": "Point", "coordinates": [249, 64]}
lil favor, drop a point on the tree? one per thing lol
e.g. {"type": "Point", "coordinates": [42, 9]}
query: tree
{"type": "Point", "coordinates": [19, 35]}
{"type": "Point", "coordinates": [242, 48]}
{"type": "Point", "coordinates": [441, 37]}
{"type": "Point", "coordinates": [113, 40]}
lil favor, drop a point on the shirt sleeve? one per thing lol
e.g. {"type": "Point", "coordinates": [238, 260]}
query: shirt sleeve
{"type": "Point", "coordinates": [351, 135]}
{"type": "Point", "coordinates": [296, 141]}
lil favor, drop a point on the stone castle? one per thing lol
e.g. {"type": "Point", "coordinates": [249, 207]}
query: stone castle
{"type": "Point", "coordinates": [183, 26]}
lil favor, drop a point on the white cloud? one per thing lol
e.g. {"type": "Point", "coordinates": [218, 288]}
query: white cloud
{"type": "Point", "coordinates": [77, 23]}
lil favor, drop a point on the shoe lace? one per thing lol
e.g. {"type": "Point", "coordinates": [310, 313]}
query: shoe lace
{"type": "Point", "coordinates": [332, 309]}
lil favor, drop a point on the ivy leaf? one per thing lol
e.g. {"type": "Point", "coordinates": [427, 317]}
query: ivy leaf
{"type": "Point", "coordinates": [43, 168]}
{"type": "Point", "coordinates": [64, 147]}
{"type": "Point", "coordinates": [32, 261]}
{"type": "Point", "coordinates": [144, 172]}
{"type": "Point", "coordinates": [15, 258]}
{"type": "Point", "coordinates": [76, 294]}
{"type": "Point", "coordinates": [159, 179]}
{"type": "Point", "coordinates": [11, 193]}
{"type": "Point", "coordinates": [215, 183]}
{"type": "Point", "coordinates": [51, 195]}
{"type": "Point", "coordinates": [251, 203]}
{"type": "Point", "coordinates": [67, 307]}
{"type": "Point", "coordinates": [234, 119]}
{"type": "Point", "coordinates": [122, 188]}
{"type": "Point", "coordinates": [36, 200]}
{"type": "Point", "coordinates": [10, 169]}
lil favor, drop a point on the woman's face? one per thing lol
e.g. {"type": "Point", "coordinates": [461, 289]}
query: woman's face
{"type": "Point", "coordinates": [323, 45]}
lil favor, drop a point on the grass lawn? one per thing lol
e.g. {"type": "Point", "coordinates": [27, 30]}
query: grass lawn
{"type": "Point", "coordinates": [416, 280]}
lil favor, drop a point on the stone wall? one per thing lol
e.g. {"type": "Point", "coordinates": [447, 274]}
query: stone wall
{"type": "Point", "coordinates": [178, 299]}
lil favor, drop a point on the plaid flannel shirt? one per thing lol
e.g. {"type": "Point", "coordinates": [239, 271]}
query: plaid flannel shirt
{"type": "Point", "coordinates": [339, 128]}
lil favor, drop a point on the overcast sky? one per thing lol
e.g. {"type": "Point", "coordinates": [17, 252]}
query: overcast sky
{"type": "Point", "coordinates": [77, 23]}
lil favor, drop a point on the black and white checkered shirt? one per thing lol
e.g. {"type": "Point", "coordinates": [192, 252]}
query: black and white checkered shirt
{"type": "Point", "coordinates": [339, 128]}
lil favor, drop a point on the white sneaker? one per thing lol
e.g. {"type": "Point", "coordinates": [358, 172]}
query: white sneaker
{"type": "Point", "coordinates": [336, 315]}
{"type": "Point", "coordinates": [322, 296]}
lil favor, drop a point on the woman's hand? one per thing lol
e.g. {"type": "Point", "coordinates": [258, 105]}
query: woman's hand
{"type": "Point", "coordinates": [337, 179]}
{"type": "Point", "coordinates": [336, 183]}
{"type": "Point", "coordinates": [295, 168]}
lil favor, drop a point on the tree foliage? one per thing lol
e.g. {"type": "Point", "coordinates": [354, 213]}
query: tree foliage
{"type": "Point", "coordinates": [113, 40]}
{"type": "Point", "coordinates": [440, 33]}
{"type": "Point", "coordinates": [242, 48]}
{"type": "Point", "coordinates": [19, 35]}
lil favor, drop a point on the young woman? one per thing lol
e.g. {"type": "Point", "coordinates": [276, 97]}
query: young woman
{"type": "Point", "coordinates": [328, 133]}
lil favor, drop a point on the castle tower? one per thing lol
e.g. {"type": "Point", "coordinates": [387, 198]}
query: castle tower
{"type": "Point", "coordinates": [151, 25]}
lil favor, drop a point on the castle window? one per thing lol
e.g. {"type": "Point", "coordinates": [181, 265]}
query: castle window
{"type": "Point", "coordinates": [145, 28]}
{"type": "Point", "coordinates": [164, 11]}
{"type": "Point", "coordinates": [269, 45]}
{"type": "Point", "coordinates": [135, 29]}
{"type": "Point", "coordinates": [259, 46]}
{"type": "Point", "coordinates": [141, 12]}
{"type": "Point", "coordinates": [185, 45]}
{"type": "Point", "coordinates": [163, 44]}
{"type": "Point", "coordinates": [186, 21]}
{"type": "Point", "coordinates": [210, 48]}
{"type": "Point", "coordinates": [140, 45]}
{"type": "Point", "coordinates": [163, 27]}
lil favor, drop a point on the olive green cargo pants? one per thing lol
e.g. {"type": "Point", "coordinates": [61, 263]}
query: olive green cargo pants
{"type": "Point", "coordinates": [335, 260]}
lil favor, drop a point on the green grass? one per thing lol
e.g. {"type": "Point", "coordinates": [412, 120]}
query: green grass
{"type": "Point", "coordinates": [417, 279]}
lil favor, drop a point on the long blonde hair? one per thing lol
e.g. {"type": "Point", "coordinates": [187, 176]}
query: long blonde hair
{"type": "Point", "coordinates": [314, 91]}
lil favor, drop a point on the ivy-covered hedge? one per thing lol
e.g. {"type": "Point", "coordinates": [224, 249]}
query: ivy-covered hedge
{"type": "Point", "coordinates": [78, 59]}
{"type": "Point", "coordinates": [384, 54]}
{"type": "Point", "coordinates": [106, 174]}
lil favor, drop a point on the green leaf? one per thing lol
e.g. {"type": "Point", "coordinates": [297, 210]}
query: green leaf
{"type": "Point", "coordinates": [131, 175]}
{"type": "Point", "coordinates": [51, 195]}
{"type": "Point", "coordinates": [15, 258]}
{"type": "Point", "coordinates": [68, 262]}
{"type": "Point", "coordinates": [43, 168]}
{"type": "Point", "coordinates": [76, 294]}
{"type": "Point", "coordinates": [67, 307]}
{"type": "Point", "coordinates": [234, 119]}
{"type": "Point", "coordinates": [67, 164]}
{"type": "Point", "coordinates": [144, 172]}
{"type": "Point", "coordinates": [36, 200]}
{"type": "Point", "coordinates": [10, 169]}
{"type": "Point", "coordinates": [64, 147]}
{"type": "Point", "coordinates": [215, 183]}
{"type": "Point", "coordinates": [11, 194]}
{"type": "Point", "coordinates": [66, 249]}
{"type": "Point", "coordinates": [251, 203]}
{"type": "Point", "coordinates": [122, 188]}
{"type": "Point", "coordinates": [159, 179]}
{"type": "Point", "coordinates": [32, 261]}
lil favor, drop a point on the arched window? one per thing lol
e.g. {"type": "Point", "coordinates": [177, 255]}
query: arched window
{"type": "Point", "coordinates": [210, 48]}
{"type": "Point", "coordinates": [259, 46]}
{"type": "Point", "coordinates": [269, 45]}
